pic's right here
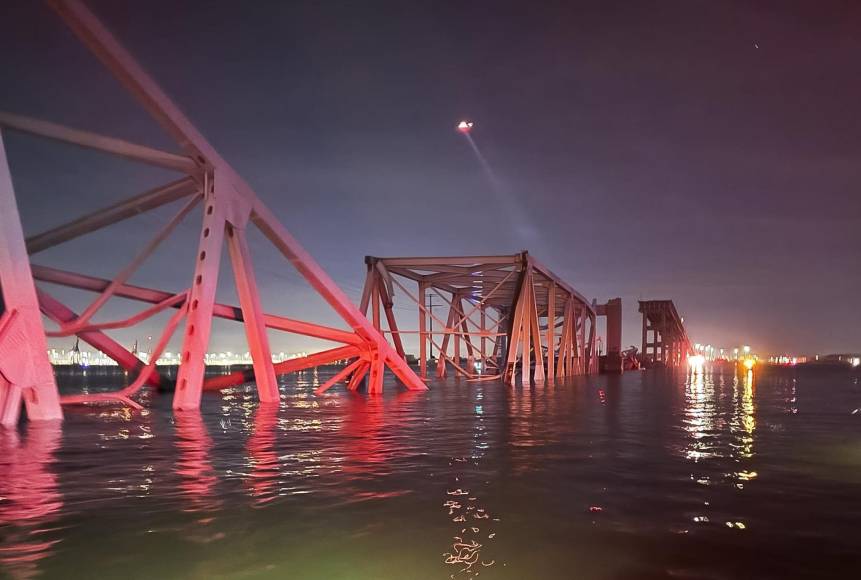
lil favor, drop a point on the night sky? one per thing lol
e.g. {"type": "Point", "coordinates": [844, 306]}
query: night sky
{"type": "Point", "coordinates": [702, 151]}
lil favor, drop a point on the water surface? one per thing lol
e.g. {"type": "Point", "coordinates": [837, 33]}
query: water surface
{"type": "Point", "coordinates": [649, 475]}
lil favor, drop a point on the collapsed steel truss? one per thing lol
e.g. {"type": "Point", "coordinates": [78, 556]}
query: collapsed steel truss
{"type": "Point", "coordinates": [507, 311]}
{"type": "Point", "coordinates": [665, 340]}
{"type": "Point", "coordinates": [228, 206]}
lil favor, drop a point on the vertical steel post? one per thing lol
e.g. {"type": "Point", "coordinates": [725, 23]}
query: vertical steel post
{"type": "Point", "coordinates": [252, 315]}
{"type": "Point", "coordinates": [453, 323]}
{"type": "Point", "coordinates": [499, 343]}
{"type": "Point", "coordinates": [551, 331]}
{"type": "Point", "coordinates": [390, 319]}
{"type": "Point", "coordinates": [375, 378]}
{"type": "Point", "coordinates": [366, 290]}
{"type": "Point", "coordinates": [564, 337]}
{"type": "Point", "coordinates": [375, 300]}
{"type": "Point", "coordinates": [443, 350]}
{"type": "Point", "coordinates": [526, 329]}
{"type": "Point", "coordinates": [592, 356]}
{"type": "Point", "coordinates": [535, 331]}
{"type": "Point", "coordinates": [423, 335]}
{"type": "Point", "coordinates": [516, 325]}
{"type": "Point", "coordinates": [464, 328]}
{"type": "Point", "coordinates": [483, 342]}
{"type": "Point", "coordinates": [25, 371]}
{"type": "Point", "coordinates": [189, 379]}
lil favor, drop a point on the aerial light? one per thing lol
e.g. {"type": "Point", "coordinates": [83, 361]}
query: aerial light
{"type": "Point", "coordinates": [465, 126]}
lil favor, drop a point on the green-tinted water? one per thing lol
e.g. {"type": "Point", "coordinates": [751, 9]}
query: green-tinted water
{"type": "Point", "coordinates": [648, 475]}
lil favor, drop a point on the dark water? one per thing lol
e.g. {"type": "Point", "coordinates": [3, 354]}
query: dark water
{"type": "Point", "coordinates": [650, 475]}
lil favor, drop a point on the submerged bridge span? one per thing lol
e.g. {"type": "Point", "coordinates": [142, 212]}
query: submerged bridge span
{"type": "Point", "coordinates": [505, 316]}
{"type": "Point", "coordinates": [665, 340]}
{"type": "Point", "coordinates": [508, 314]}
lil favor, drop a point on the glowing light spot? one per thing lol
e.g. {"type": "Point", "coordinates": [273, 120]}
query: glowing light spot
{"type": "Point", "coordinates": [465, 126]}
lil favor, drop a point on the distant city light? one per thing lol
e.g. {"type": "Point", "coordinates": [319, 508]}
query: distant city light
{"type": "Point", "coordinates": [746, 349]}
{"type": "Point", "coordinates": [98, 358]}
{"type": "Point", "coordinates": [696, 360]}
{"type": "Point", "coordinates": [748, 363]}
{"type": "Point", "coordinates": [856, 361]}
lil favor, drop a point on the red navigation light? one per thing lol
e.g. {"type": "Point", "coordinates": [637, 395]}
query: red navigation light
{"type": "Point", "coordinates": [464, 126]}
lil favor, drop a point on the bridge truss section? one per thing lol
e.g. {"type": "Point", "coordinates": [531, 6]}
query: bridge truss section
{"type": "Point", "coordinates": [227, 208]}
{"type": "Point", "coordinates": [665, 340]}
{"type": "Point", "coordinates": [505, 316]}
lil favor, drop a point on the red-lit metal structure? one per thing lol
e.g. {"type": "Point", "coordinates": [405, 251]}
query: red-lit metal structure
{"type": "Point", "coordinates": [504, 312]}
{"type": "Point", "coordinates": [228, 208]}
{"type": "Point", "coordinates": [665, 340]}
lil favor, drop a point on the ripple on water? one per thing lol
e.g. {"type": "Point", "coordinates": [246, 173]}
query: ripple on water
{"type": "Point", "coordinates": [594, 477]}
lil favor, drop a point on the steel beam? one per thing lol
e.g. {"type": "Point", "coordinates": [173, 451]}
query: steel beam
{"type": "Point", "coordinates": [115, 213]}
{"type": "Point", "coordinates": [60, 313]}
{"type": "Point", "coordinates": [189, 378]}
{"type": "Point", "coordinates": [25, 371]}
{"type": "Point", "coordinates": [288, 366]}
{"type": "Point", "coordinates": [252, 315]}
{"type": "Point", "coordinates": [98, 142]}
{"type": "Point", "coordinates": [139, 293]}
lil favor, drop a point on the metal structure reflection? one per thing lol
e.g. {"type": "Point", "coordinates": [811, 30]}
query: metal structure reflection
{"type": "Point", "coordinates": [30, 499]}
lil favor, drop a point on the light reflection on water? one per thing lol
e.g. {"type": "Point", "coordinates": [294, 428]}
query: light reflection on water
{"type": "Point", "coordinates": [699, 474]}
{"type": "Point", "coordinates": [30, 501]}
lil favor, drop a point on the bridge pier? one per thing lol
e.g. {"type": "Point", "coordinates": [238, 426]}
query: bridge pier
{"type": "Point", "coordinates": [612, 310]}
